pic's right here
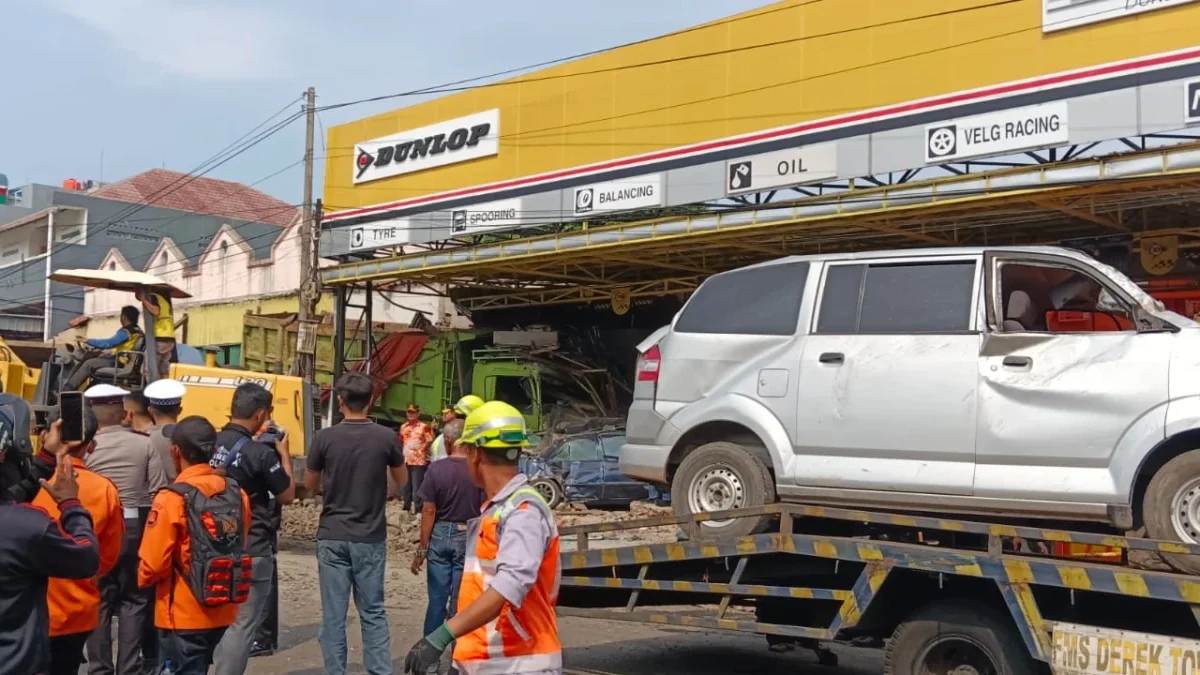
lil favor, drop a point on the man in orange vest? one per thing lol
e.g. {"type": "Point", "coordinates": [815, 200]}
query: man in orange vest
{"type": "Point", "coordinates": [74, 604]}
{"type": "Point", "coordinates": [505, 621]}
{"type": "Point", "coordinates": [193, 552]}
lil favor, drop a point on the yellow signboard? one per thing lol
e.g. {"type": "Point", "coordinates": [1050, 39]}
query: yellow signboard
{"type": "Point", "coordinates": [789, 70]}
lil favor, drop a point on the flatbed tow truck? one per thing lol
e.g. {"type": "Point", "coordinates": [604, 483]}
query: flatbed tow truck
{"type": "Point", "coordinates": [940, 596]}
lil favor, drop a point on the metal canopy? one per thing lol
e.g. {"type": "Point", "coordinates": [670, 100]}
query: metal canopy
{"type": "Point", "coordinates": [1155, 191]}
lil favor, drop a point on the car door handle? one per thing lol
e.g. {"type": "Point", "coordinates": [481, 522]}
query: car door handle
{"type": "Point", "coordinates": [1018, 361]}
{"type": "Point", "coordinates": [832, 357]}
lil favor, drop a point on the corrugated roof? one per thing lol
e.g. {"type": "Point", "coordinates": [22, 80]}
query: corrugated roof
{"type": "Point", "coordinates": [171, 190]}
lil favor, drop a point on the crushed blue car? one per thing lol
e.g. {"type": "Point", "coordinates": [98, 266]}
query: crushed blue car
{"type": "Point", "coordinates": [582, 468]}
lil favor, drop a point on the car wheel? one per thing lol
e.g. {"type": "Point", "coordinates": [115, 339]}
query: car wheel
{"type": "Point", "coordinates": [718, 477]}
{"type": "Point", "coordinates": [1171, 508]}
{"type": "Point", "coordinates": [947, 637]}
{"type": "Point", "coordinates": [550, 490]}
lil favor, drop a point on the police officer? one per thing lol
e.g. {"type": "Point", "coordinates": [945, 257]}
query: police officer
{"type": "Point", "coordinates": [511, 568]}
{"type": "Point", "coordinates": [460, 411]}
{"type": "Point", "coordinates": [123, 456]}
{"type": "Point", "coordinates": [164, 401]}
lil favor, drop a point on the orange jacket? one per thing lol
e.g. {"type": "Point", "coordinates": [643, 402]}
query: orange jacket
{"type": "Point", "coordinates": [75, 603]}
{"type": "Point", "coordinates": [166, 546]}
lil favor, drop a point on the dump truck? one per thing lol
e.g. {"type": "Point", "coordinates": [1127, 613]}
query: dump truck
{"type": "Point", "coordinates": [419, 364]}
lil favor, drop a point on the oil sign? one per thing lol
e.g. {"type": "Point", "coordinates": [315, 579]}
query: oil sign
{"type": "Point", "coordinates": [782, 168]}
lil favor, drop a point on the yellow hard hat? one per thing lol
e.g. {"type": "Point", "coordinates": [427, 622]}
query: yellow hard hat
{"type": "Point", "coordinates": [467, 404]}
{"type": "Point", "coordinates": [495, 425]}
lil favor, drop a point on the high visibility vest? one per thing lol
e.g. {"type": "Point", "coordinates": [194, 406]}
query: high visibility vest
{"type": "Point", "coordinates": [438, 449]}
{"type": "Point", "coordinates": [164, 323]}
{"type": "Point", "coordinates": [127, 346]}
{"type": "Point", "coordinates": [520, 640]}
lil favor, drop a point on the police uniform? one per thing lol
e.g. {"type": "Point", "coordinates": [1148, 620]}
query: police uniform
{"type": "Point", "coordinates": [123, 456]}
{"type": "Point", "coordinates": [160, 394]}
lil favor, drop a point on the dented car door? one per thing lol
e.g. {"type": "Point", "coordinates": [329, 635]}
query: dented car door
{"type": "Point", "coordinates": [1054, 406]}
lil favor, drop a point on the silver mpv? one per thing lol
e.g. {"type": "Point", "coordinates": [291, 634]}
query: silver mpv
{"type": "Point", "coordinates": [1028, 382]}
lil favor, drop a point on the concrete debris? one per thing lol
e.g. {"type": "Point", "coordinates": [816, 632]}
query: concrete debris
{"type": "Point", "coordinates": [300, 519]}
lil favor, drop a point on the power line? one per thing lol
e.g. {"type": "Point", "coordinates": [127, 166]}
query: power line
{"type": "Point", "coordinates": [223, 156]}
{"type": "Point", "coordinates": [448, 87]}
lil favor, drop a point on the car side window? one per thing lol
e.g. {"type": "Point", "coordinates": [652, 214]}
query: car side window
{"type": "Point", "coordinates": [1047, 298]}
{"type": "Point", "coordinates": [927, 297]}
{"type": "Point", "coordinates": [612, 446]}
{"type": "Point", "coordinates": [754, 301]}
{"type": "Point", "coordinates": [580, 450]}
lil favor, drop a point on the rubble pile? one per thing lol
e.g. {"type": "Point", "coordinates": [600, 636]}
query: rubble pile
{"type": "Point", "coordinates": [299, 530]}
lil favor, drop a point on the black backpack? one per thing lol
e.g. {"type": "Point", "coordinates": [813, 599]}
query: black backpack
{"type": "Point", "coordinates": [220, 569]}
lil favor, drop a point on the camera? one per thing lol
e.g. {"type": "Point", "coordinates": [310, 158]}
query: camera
{"type": "Point", "coordinates": [21, 471]}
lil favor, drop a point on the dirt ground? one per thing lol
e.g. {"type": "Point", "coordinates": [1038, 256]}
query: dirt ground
{"type": "Point", "coordinates": [592, 647]}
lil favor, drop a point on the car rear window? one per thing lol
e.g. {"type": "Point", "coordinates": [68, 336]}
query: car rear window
{"type": "Point", "coordinates": [897, 298]}
{"type": "Point", "coordinates": [755, 301]}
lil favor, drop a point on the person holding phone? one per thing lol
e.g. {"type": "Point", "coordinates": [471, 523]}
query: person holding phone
{"type": "Point", "coordinates": [35, 547]}
{"type": "Point", "coordinates": [75, 603]}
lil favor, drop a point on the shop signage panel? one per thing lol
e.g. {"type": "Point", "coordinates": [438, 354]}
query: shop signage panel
{"type": "Point", "coordinates": [782, 168]}
{"type": "Point", "coordinates": [640, 192]}
{"type": "Point", "coordinates": [449, 142]}
{"type": "Point", "coordinates": [1191, 93]}
{"type": "Point", "coordinates": [1061, 14]}
{"type": "Point", "coordinates": [377, 235]}
{"type": "Point", "coordinates": [997, 133]}
{"type": "Point", "coordinates": [486, 217]}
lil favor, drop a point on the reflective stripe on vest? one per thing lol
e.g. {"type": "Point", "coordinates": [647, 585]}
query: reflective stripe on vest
{"type": "Point", "coordinates": [520, 640]}
{"type": "Point", "coordinates": [437, 450]}
{"type": "Point", "coordinates": [164, 323]}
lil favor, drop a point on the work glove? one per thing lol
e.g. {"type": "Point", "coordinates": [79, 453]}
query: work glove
{"type": "Point", "coordinates": [427, 652]}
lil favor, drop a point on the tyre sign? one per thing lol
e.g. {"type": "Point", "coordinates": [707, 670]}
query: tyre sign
{"type": "Point", "coordinates": [377, 235]}
{"type": "Point", "coordinates": [997, 133]}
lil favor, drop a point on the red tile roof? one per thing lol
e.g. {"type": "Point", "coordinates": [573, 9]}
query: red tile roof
{"type": "Point", "coordinates": [165, 189]}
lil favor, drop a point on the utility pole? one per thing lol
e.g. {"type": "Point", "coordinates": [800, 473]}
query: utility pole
{"type": "Point", "coordinates": [304, 364]}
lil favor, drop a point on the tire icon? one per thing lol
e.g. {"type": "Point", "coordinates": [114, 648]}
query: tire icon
{"type": "Point", "coordinates": [943, 141]}
{"type": "Point", "coordinates": [583, 199]}
{"type": "Point", "coordinates": [357, 238]}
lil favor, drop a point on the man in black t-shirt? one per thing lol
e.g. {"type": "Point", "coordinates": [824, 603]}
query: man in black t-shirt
{"type": "Point", "coordinates": [449, 500]}
{"type": "Point", "coordinates": [351, 462]}
{"type": "Point", "coordinates": [265, 474]}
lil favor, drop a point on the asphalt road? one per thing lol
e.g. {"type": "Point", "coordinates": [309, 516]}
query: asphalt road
{"type": "Point", "coordinates": [592, 647]}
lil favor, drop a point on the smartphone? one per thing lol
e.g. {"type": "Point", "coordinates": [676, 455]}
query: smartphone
{"type": "Point", "coordinates": [71, 412]}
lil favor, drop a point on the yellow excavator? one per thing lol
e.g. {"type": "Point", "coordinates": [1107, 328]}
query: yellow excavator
{"type": "Point", "coordinates": [36, 371]}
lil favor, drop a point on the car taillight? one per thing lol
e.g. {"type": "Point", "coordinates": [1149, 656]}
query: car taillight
{"type": "Point", "coordinates": [648, 367]}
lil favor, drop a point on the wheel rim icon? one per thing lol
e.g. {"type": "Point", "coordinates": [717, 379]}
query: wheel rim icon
{"type": "Point", "coordinates": [584, 200]}
{"type": "Point", "coordinates": [941, 141]}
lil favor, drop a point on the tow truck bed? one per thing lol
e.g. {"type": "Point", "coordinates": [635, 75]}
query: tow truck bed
{"type": "Point", "coordinates": [911, 583]}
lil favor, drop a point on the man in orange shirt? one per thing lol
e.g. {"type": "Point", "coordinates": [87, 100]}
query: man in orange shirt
{"type": "Point", "coordinates": [415, 438]}
{"type": "Point", "coordinates": [74, 604]}
{"type": "Point", "coordinates": [194, 551]}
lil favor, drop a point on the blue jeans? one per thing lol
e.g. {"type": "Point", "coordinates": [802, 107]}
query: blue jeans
{"type": "Point", "coordinates": [447, 551]}
{"type": "Point", "coordinates": [342, 567]}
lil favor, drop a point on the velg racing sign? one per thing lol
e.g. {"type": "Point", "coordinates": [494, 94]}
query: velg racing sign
{"type": "Point", "coordinates": [1087, 650]}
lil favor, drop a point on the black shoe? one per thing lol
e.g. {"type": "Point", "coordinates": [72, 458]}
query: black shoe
{"type": "Point", "coordinates": [260, 649]}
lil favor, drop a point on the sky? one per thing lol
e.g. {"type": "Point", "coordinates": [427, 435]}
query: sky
{"type": "Point", "coordinates": [105, 89]}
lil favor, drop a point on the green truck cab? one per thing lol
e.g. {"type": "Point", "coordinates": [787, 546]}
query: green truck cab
{"type": "Point", "coordinates": [438, 367]}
